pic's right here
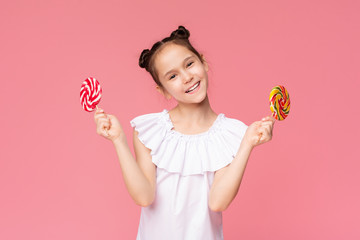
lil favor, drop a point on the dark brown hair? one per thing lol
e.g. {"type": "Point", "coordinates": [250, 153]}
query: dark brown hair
{"type": "Point", "coordinates": [179, 37]}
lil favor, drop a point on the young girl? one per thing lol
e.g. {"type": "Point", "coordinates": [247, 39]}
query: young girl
{"type": "Point", "coordinates": [189, 160]}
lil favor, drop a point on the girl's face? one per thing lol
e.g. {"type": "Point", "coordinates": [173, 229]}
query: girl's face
{"type": "Point", "coordinates": [182, 74]}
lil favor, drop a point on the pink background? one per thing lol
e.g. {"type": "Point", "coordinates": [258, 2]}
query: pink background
{"type": "Point", "coordinates": [60, 180]}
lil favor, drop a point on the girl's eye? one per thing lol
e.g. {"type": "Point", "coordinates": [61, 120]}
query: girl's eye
{"type": "Point", "coordinates": [172, 76]}
{"type": "Point", "coordinates": [189, 64]}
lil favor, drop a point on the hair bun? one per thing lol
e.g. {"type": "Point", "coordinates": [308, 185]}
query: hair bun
{"type": "Point", "coordinates": [144, 58]}
{"type": "Point", "coordinates": [181, 33]}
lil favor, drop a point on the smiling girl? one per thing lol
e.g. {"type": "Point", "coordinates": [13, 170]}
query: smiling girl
{"type": "Point", "coordinates": [189, 160]}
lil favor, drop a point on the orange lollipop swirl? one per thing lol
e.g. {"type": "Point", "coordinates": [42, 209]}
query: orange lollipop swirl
{"type": "Point", "coordinates": [279, 102]}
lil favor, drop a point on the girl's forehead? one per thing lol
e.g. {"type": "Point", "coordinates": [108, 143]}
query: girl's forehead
{"type": "Point", "coordinates": [174, 50]}
{"type": "Point", "coordinates": [172, 55]}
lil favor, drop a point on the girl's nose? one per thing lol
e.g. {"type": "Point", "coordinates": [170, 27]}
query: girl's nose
{"type": "Point", "coordinates": [187, 77]}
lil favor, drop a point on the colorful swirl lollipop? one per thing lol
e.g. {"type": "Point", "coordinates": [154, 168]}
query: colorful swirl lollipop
{"type": "Point", "coordinates": [279, 102]}
{"type": "Point", "coordinates": [90, 94]}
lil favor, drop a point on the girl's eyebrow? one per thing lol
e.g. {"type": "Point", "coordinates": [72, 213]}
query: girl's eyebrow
{"type": "Point", "coordinates": [173, 69]}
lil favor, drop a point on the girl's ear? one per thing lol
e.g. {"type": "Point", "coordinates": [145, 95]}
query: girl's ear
{"type": "Point", "coordinates": [163, 92]}
{"type": "Point", "coordinates": [204, 62]}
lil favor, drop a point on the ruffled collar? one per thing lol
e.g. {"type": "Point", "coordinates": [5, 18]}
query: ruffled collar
{"type": "Point", "coordinates": [169, 125]}
{"type": "Point", "coordinates": [189, 154]}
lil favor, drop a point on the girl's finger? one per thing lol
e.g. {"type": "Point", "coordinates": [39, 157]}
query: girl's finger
{"type": "Point", "coordinates": [100, 116]}
{"type": "Point", "coordinates": [105, 133]}
{"type": "Point", "coordinates": [106, 125]}
{"type": "Point", "coordinates": [259, 139]}
{"type": "Point", "coordinates": [99, 110]}
{"type": "Point", "coordinates": [103, 121]}
{"type": "Point", "coordinates": [266, 131]}
{"type": "Point", "coordinates": [268, 118]}
{"type": "Point", "coordinates": [100, 113]}
{"type": "Point", "coordinates": [268, 128]}
{"type": "Point", "coordinates": [267, 123]}
{"type": "Point", "coordinates": [269, 133]}
{"type": "Point", "coordinates": [102, 128]}
{"type": "Point", "coordinates": [273, 120]}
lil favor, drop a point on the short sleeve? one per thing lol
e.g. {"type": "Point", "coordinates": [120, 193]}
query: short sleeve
{"type": "Point", "coordinates": [151, 130]}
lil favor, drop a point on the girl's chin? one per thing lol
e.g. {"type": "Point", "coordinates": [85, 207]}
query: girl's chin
{"type": "Point", "coordinates": [197, 99]}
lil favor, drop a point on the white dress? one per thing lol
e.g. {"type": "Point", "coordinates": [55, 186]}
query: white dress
{"type": "Point", "coordinates": [185, 170]}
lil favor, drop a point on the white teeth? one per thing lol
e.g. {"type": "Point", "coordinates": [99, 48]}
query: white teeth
{"type": "Point", "coordinates": [195, 86]}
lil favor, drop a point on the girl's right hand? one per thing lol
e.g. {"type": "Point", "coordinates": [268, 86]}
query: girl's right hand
{"type": "Point", "coordinates": [108, 126]}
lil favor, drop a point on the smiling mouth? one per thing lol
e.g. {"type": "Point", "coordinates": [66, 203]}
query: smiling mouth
{"type": "Point", "coordinates": [193, 87]}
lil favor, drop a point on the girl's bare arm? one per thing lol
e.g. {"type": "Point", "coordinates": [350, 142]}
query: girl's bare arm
{"type": "Point", "coordinates": [227, 180]}
{"type": "Point", "coordinates": [139, 174]}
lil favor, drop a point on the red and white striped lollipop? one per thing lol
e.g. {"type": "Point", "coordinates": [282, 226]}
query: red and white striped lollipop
{"type": "Point", "coordinates": [90, 94]}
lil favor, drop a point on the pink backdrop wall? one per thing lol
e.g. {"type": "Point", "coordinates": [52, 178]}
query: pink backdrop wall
{"type": "Point", "coordinates": [60, 180]}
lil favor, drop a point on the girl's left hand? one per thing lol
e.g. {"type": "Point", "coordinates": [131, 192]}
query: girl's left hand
{"type": "Point", "coordinates": [259, 132]}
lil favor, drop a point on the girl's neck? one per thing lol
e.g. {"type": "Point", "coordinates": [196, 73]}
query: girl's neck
{"type": "Point", "coordinates": [193, 114]}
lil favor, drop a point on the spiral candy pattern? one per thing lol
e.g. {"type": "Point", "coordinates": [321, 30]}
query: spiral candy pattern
{"type": "Point", "coordinates": [90, 94]}
{"type": "Point", "coordinates": [279, 102]}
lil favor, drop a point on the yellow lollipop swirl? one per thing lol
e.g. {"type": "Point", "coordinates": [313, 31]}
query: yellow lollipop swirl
{"type": "Point", "coordinates": [279, 102]}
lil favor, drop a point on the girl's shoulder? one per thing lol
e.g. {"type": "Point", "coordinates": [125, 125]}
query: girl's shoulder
{"type": "Point", "coordinates": [156, 119]}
